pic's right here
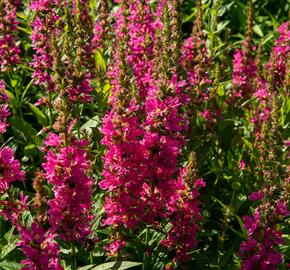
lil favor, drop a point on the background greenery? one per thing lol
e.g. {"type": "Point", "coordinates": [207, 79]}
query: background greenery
{"type": "Point", "coordinates": [219, 150]}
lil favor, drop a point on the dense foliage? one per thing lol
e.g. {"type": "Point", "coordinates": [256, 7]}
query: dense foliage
{"type": "Point", "coordinates": [144, 134]}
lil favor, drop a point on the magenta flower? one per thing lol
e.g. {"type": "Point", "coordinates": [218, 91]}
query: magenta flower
{"type": "Point", "coordinates": [4, 109]}
{"type": "Point", "coordinates": [43, 28]}
{"type": "Point", "coordinates": [280, 54]}
{"type": "Point", "coordinates": [256, 196]}
{"type": "Point", "coordinates": [184, 206]}
{"type": "Point", "coordinates": [48, 43]}
{"type": "Point", "coordinates": [244, 71]}
{"type": "Point", "coordinates": [259, 250]}
{"type": "Point", "coordinates": [40, 248]}
{"type": "Point", "coordinates": [12, 210]}
{"type": "Point", "coordinates": [9, 50]}
{"type": "Point", "coordinates": [67, 169]}
{"type": "Point", "coordinates": [145, 138]}
{"type": "Point", "coordinates": [10, 168]}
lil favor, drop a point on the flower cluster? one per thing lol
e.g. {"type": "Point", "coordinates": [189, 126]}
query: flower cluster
{"type": "Point", "coordinates": [9, 49]}
{"type": "Point", "coordinates": [40, 248]}
{"type": "Point", "coordinates": [101, 26]}
{"type": "Point", "coordinates": [279, 59]}
{"type": "Point", "coordinates": [4, 109]}
{"type": "Point", "coordinates": [143, 133]}
{"type": "Point", "coordinates": [196, 61]}
{"type": "Point", "coordinates": [66, 168]}
{"type": "Point", "coordinates": [44, 28]}
{"type": "Point", "coordinates": [276, 76]}
{"type": "Point", "coordinates": [56, 62]}
{"type": "Point", "coordinates": [13, 209]}
{"type": "Point", "coordinates": [243, 71]}
{"type": "Point", "coordinates": [64, 64]}
{"type": "Point", "coordinates": [259, 251]}
{"type": "Point", "coordinates": [244, 66]}
{"type": "Point", "coordinates": [185, 209]}
{"type": "Point", "coordinates": [10, 167]}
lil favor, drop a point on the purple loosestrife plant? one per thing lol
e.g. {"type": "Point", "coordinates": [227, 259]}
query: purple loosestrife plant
{"type": "Point", "coordinates": [64, 64]}
{"type": "Point", "coordinates": [40, 248]}
{"type": "Point", "coordinates": [260, 250]}
{"type": "Point", "coordinates": [66, 168]}
{"type": "Point", "coordinates": [44, 28]}
{"type": "Point", "coordinates": [185, 212]}
{"type": "Point", "coordinates": [10, 167]}
{"type": "Point", "coordinates": [279, 58]}
{"type": "Point", "coordinates": [37, 242]}
{"type": "Point", "coordinates": [244, 67]}
{"type": "Point", "coordinates": [121, 128]}
{"type": "Point", "coordinates": [9, 48]}
{"type": "Point", "coordinates": [143, 131]}
{"type": "Point", "coordinates": [275, 77]}
{"type": "Point", "coordinates": [58, 65]}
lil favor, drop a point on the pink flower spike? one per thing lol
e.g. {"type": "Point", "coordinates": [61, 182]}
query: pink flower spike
{"type": "Point", "coordinates": [256, 196]}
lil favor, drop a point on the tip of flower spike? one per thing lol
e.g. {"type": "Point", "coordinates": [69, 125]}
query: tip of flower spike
{"type": "Point", "coordinates": [256, 196]}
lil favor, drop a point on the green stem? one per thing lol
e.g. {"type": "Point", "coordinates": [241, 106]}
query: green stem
{"type": "Point", "coordinates": [214, 19]}
{"type": "Point", "coordinates": [50, 110]}
{"type": "Point", "coordinates": [74, 264]}
{"type": "Point", "coordinates": [78, 122]}
{"type": "Point", "coordinates": [144, 265]}
{"type": "Point", "coordinates": [91, 257]}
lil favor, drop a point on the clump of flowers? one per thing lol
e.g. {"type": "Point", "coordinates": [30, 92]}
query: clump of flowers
{"type": "Point", "coordinates": [64, 64]}
{"type": "Point", "coordinates": [39, 247]}
{"type": "Point", "coordinates": [9, 49]}
{"type": "Point", "coordinates": [66, 168]}
{"type": "Point", "coordinates": [4, 109]}
{"type": "Point", "coordinates": [276, 77]}
{"type": "Point", "coordinates": [59, 63]}
{"type": "Point", "coordinates": [101, 26]}
{"type": "Point", "coordinates": [279, 58]}
{"type": "Point", "coordinates": [244, 67]}
{"type": "Point", "coordinates": [185, 212]}
{"type": "Point", "coordinates": [260, 250]}
{"type": "Point", "coordinates": [196, 62]}
{"type": "Point", "coordinates": [44, 28]}
{"type": "Point", "coordinates": [10, 167]}
{"type": "Point", "coordinates": [143, 132]}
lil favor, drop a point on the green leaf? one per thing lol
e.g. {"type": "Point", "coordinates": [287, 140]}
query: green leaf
{"type": "Point", "coordinates": [10, 265]}
{"type": "Point", "coordinates": [91, 124]}
{"type": "Point", "coordinates": [8, 248]}
{"type": "Point", "coordinates": [25, 30]}
{"type": "Point", "coordinates": [40, 116]}
{"type": "Point", "coordinates": [220, 202]}
{"type": "Point", "coordinates": [93, 4]}
{"type": "Point", "coordinates": [9, 235]}
{"type": "Point", "coordinates": [116, 265]}
{"type": "Point", "coordinates": [13, 82]}
{"type": "Point", "coordinates": [30, 150]}
{"type": "Point", "coordinates": [100, 62]}
{"type": "Point", "coordinates": [10, 243]}
{"type": "Point", "coordinates": [105, 90]}
{"type": "Point", "coordinates": [24, 131]}
{"type": "Point", "coordinates": [248, 144]}
{"type": "Point", "coordinates": [241, 223]}
{"type": "Point", "coordinates": [257, 29]}
{"type": "Point", "coordinates": [221, 26]}
{"type": "Point", "coordinates": [86, 267]}
{"type": "Point", "coordinates": [12, 101]}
